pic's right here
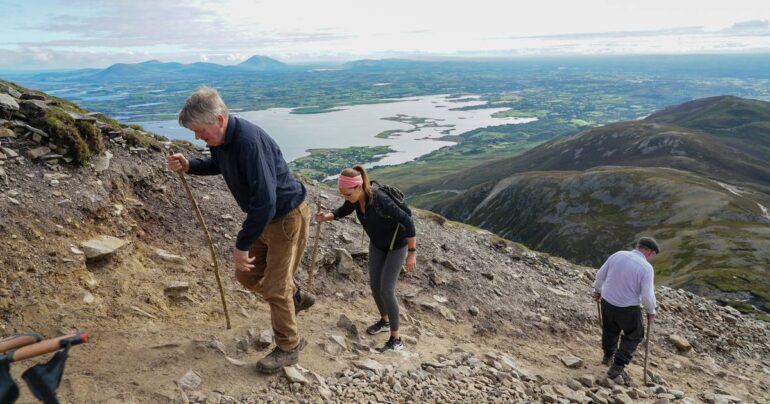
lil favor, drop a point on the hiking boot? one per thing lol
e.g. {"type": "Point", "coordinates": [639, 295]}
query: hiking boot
{"type": "Point", "coordinates": [303, 301]}
{"type": "Point", "coordinates": [607, 359]}
{"type": "Point", "coordinates": [378, 327]}
{"type": "Point", "coordinates": [276, 360]}
{"type": "Point", "coordinates": [616, 371]}
{"type": "Point", "coordinates": [393, 344]}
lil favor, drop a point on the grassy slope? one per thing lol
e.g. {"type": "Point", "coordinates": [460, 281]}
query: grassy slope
{"type": "Point", "coordinates": [711, 237]}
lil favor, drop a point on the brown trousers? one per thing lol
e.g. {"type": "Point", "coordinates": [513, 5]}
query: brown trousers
{"type": "Point", "coordinates": [277, 253]}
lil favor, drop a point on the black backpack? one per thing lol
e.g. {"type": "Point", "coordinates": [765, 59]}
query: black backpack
{"type": "Point", "coordinates": [395, 194]}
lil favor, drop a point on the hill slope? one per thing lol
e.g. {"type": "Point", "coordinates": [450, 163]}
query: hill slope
{"type": "Point", "coordinates": [485, 319]}
{"type": "Point", "coordinates": [555, 198]}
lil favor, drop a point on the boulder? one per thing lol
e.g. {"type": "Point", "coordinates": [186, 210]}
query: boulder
{"type": "Point", "coordinates": [8, 103]}
{"type": "Point", "coordinates": [4, 88]}
{"type": "Point", "coordinates": [164, 255]}
{"type": "Point", "coordinates": [6, 133]}
{"type": "Point", "coordinates": [176, 289]}
{"type": "Point", "coordinates": [38, 152]}
{"type": "Point", "coordinates": [369, 364]}
{"type": "Point", "coordinates": [571, 361]}
{"type": "Point", "coordinates": [294, 375]}
{"type": "Point", "coordinates": [190, 381]}
{"type": "Point", "coordinates": [344, 261]}
{"type": "Point", "coordinates": [101, 247]}
{"type": "Point", "coordinates": [681, 343]}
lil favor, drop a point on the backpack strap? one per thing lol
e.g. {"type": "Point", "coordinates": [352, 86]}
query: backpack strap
{"type": "Point", "coordinates": [393, 240]}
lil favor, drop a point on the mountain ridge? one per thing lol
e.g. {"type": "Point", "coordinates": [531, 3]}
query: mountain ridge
{"type": "Point", "coordinates": [519, 197]}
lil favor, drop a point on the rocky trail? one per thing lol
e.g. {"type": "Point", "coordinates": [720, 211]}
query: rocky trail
{"type": "Point", "coordinates": [113, 248]}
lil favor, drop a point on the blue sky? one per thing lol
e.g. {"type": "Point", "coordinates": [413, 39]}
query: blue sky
{"type": "Point", "coordinates": [54, 34]}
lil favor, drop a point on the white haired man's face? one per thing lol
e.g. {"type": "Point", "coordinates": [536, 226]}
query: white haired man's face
{"type": "Point", "coordinates": [214, 134]}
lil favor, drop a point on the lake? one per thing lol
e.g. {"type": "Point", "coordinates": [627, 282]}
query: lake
{"type": "Point", "coordinates": [424, 117]}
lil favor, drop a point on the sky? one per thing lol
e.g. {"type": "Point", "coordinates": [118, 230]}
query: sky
{"type": "Point", "coordinates": [66, 34]}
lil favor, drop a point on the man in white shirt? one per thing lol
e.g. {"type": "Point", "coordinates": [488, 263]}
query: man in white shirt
{"type": "Point", "coordinates": [624, 281]}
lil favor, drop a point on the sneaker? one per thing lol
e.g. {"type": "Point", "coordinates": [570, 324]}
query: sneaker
{"type": "Point", "coordinates": [616, 371]}
{"type": "Point", "coordinates": [303, 300]}
{"type": "Point", "coordinates": [393, 344]}
{"type": "Point", "coordinates": [607, 359]}
{"type": "Point", "coordinates": [278, 359]}
{"type": "Point", "coordinates": [378, 327]}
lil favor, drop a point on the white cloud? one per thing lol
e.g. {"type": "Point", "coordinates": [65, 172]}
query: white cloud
{"type": "Point", "coordinates": [229, 31]}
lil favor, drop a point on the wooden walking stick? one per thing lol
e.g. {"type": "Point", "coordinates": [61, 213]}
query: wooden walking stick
{"type": "Point", "coordinates": [199, 216]}
{"type": "Point", "coordinates": [647, 349]}
{"type": "Point", "coordinates": [599, 310]}
{"type": "Point", "coordinates": [315, 248]}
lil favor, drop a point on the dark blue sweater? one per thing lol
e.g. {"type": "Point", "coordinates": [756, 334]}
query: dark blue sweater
{"type": "Point", "coordinates": [257, 175]}
{"type": "Point", "coordinates": [380, 222]}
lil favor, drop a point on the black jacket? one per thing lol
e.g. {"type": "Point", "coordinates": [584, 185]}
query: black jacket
{"type": "Point", "coordinates": [257, 175]}
{"type": "Point", "coordinates": [380, 221]}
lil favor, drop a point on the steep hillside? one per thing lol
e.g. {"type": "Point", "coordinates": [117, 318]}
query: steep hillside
{"type": "Point", "coordinates": [726, 115]}
{"type": "Point", "coordinates": [552, 198]}
{"type": "Point", "coordinates": [713, 236]}
{"type": "Point", "coordinates": [703, 147]}
{"type": "Point", "coordinates": [485, 319]}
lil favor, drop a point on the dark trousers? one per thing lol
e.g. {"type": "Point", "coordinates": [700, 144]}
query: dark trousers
{"type": "Point", "coordinates": [629, 321]}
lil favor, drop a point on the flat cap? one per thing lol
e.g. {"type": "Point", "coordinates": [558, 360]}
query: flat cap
{"type": "Point", "coordinates": [649, 243]}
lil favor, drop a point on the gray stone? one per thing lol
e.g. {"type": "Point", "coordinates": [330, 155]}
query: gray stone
{"type": "Point", "coordinates": [622, 399]}
{"type": "Point", "coordinates": [344, 261]}
{"type": "Point", "coordinates": [217, 345]}
{"type": "Point", "coordinates": [10, 90]}
{"type": "Point", "coordinates": [164, 255]}
{"type": "Point", "coordinates": [294, 375]}
{"type": "Point", "coordinates": [176, 288]}
{"type": "Point", "coordinates": [677, 394]}
{"type": "Point", "coordinates": [102, 247]}
{"type": "Point", "coordinates": [38, 152]}
{"type": "Point", "coordinates": [347, 325]}
{"type": "Point", "coordinates": [8, 103]}
{"type": "Point", "coordinates": [101, 163]}
{"type": "Point", "coordinates": [571, 361]}
{"type": "Point", "coordinates": [7, 133]}
{"type": "Point", "coordinates": [190, 381]}
{"type": "Point", "coordinates": [10, 153]}
{"type": "Point", "coordinates": [681, 343]}
{"type": "Point", "coordinates": [473, 310]}
{"type": "Point", "coordinates": [447, 313]}
{"type": "Point", "coordinates": [575, 385]}
{"type": "Point", "coordinates": [263, 340]}
{"type": "Point", "coordinates": [369, 364]}
{"type": "Point", "coordinates": [587, 380]}
{"type": "Point", "coordinates": [4, 177]}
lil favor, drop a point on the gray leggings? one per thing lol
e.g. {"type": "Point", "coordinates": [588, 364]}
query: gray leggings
{"type": "Point", "coordinates": [384, 267]}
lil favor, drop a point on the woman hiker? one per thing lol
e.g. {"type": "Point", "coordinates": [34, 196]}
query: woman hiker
{"type": "Point", "coordinates": [391, 242]}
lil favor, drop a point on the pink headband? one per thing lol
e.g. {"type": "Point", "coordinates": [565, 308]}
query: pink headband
{"type": "Point", "coordinates": [344, 181]}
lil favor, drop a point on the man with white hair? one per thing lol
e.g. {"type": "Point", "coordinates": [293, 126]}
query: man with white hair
{"type": "Point", "coordinates": [273, 236]}
{"type": "Point", "coordinates": [622, 283]}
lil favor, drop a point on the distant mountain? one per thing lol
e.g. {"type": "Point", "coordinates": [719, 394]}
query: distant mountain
{"type": "Point", "coordinates": [696, 176]}
{"type": "Point", "coordinates": [156, 70]}
{"type": "Point", "coordinates": [258, 62]}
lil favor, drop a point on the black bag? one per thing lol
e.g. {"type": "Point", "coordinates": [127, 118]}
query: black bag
{"type": "Point", "coordinates": [9, 391]}
{"type": "Point", "coordinates": [396, 195]}
{"type": "Point", "coordinates": [43, 379]}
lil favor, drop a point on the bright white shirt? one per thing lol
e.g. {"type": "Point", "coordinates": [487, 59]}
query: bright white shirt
{"type": "Point", "coordinates": [627, 279]}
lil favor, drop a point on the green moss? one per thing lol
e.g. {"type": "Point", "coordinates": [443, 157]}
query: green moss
{"type": "Point", "coordinates": [109, 121]}
{"type": "Point", "coordinates": [64, 132]}
{"type": "Point", "coordinates": [136, 127]}
{"type": "Point", "coordinates": [763, 317]}
{"type": "Point", "coordinates": [92, 136]}
{"type": "Point", "coordinates": [138, 139]}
